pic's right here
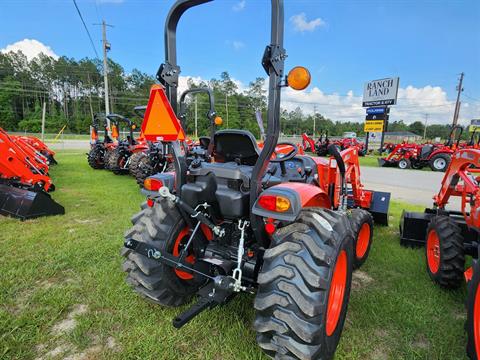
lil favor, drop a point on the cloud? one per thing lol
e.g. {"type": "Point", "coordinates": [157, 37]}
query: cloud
{"type": "Point", "coordinates": [31, 48]}
{"type": "Point", "coordinates": [239, 6]}
{"type": "Point", "coordinates": [301, 24]}
{"type": "Point", "coordinates": [412, 104]}
{"type": "Point", "coordinates": [235, 44]}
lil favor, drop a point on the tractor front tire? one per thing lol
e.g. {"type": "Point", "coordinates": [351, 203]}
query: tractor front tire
{"type": "Point", "coordinates": [473, 314]}
{"type": "Point", "coordinates": [96, 157]}
{"type": "Point", "coordinates": [134, 162]}
{"type": "Point", "coordinates": [304, 287]}
{"type": "Point", "coordinates": [404, 164]}
{"type": "Point", "coordinates": [362, 227]}
{"type": "Point", "coordinates": [160, 226]}
{"type": "Point", "coordinates": [440, 162]}
{"type": "Point", "coordinates": [444, 252]}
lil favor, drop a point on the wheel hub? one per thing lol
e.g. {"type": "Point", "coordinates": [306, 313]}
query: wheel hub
{"type": "Point", "coordinates": [337, 293]}
{"type": "Point", "coordinates": [433, 252]}
{"type": "Point", "coordinates": [439, 164]}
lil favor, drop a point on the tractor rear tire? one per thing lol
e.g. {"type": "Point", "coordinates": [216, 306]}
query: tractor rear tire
{"type": "Point", "coordinates": [108, 155]}
{"type": "Point", "coordinates": [404, 164]}
{"type": "Point", "coordinates": [440, 162]}
{"type": "Point", "coordinates": [473, 314]}
{"type": "Point", "coordinates": [362, 227]}
{"type": "Point", "coordinates": [134, 162]}
{"type": "Point", "coordinates": [444, 252]}
{"type": "Point", "coordinates": [144, 170]}
{"type": "Point", "coordinates": [304, 287]}
{"type": "Point", "coordinates": [161, 226]}
{"type": "Point", "coordinates": [115, 162]}
{"type": "Point", "coordinates": [96, 157]}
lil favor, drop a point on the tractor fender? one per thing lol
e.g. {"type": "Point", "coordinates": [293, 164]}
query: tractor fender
{"type": "Point", "coordinates": [300, 196]}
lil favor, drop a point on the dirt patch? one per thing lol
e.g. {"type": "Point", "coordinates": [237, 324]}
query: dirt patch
{"type": "Point", "coordinates": [90, 353]}
{"type": "Point", "coordinates": [379, 353]}
{"type": "Point", "coordinates": [360, 279]}
{"type": "Point", "coordinates": [59, 350]}
{"type": "Point", "coordinates": [421, 342]}
{"type": "Point", "coordinates": [86, 221]}
{"type": "Point", "coordinates": [70, 322]}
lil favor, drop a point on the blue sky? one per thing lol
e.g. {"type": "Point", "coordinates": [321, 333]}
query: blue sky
{"type": "Point", "coordinates": [343, 43]}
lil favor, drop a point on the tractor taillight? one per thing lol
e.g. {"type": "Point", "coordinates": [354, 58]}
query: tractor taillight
{"type": "Point", "coordinates": [150, 202]}
{"type": "Point", "coordinates": [152, 184]}
{"type": "Point", "coordinates": [274, 203]}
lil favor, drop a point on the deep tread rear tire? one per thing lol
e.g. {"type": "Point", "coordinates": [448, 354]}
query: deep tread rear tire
{"type": "Point", "coordinates": [96, 157]}
{"type": "Point", "coordinates": [158, 226]}
{"type": "Point", "coordinates": [472, 325]}
{"type": "Point", "coordinates": [361, 218]}
{"type": "Point", "coordinates": [451, 252]}
{"type": "Point", "coordinates": [134, 162]}
{"type": "Point", "coordinates": [294, 284]}
{"type": "Point", "coordinates": [114, 162]}
{"type": "Point", "coordinates": [108, 154]}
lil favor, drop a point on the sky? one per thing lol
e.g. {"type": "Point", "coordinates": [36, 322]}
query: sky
{"type": "Point", "coordinates": [344, 43]}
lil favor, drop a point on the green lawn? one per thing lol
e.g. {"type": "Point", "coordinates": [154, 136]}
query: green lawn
{"type": "Point", "coordinates": [62, 292]}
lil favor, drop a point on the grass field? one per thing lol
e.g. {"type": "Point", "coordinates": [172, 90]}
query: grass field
{"type": "Point", "coordinates": [63, 295]}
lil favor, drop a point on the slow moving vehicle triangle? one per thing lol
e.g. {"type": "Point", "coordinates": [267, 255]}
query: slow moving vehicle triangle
{"type": "Point", "coordinates": [160, 122]}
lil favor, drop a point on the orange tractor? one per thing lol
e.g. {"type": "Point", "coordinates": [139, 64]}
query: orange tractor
{"type": "Point", "coordinates": [287, 227]}
{"type": "Point", "coordinates": [24, 180]}
{"type": "Point", "coordinates": [449, 236]}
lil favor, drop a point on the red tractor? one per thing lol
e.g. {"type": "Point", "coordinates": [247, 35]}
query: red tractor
{"type": "Point", "coordinates": [289, 228]}
{"type": "Point", "coordinates": [24, 181]}
{"type": "Point", "coordinates": [418, 156]}
{"type": "Point", "coordinates": [320, 147]}
{"type": "Point", "coordinates": [99, 148]}
{"type": "Point", "coordinates": [449, 236]}
{"type": "Point", "coordinates": [348, 140]}
{"type": "Point", "coordinates": [40, 146]}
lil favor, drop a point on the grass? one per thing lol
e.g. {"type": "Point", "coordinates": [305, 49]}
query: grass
{"type": "Point", "coordinates": [51, 266]}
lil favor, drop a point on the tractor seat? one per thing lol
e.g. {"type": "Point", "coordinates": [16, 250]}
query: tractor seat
{"type": "Point", "coordinates": [204, 141]}
{"type": "Point", "coordinates": [239, 146]}
{"type": "Point", "coordinates": [426, 150]}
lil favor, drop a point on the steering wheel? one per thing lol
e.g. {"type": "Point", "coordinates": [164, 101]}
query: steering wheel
{"type": "Point", "coordinates": [281, 157]}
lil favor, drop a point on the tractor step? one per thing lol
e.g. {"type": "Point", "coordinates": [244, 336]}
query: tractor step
{"type": "Point", "coordinates": [24, 204]}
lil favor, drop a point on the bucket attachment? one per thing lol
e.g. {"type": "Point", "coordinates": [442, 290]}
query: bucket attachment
{"type": "Point", "coordinates": [413, 228]}
{"type": "Point", "coordinates": [25, 204]}
{"type": "Point", "coordinates": [381, 162]}
{"type": "Point", "coordinates": [379, 207]}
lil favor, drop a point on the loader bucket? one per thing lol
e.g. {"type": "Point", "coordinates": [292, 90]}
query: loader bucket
{"type": "Point", "coordinates": [379, 207]}
{"type": "Point", "coordinates": [25, 204]}
{"type": "Point", "coordinates": [381, 162]}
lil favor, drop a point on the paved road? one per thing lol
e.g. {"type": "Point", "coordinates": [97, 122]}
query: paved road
{"type": "Point", "coordinates": [411, 186]}
{"type": "Point", "coordinates": [69, 145]}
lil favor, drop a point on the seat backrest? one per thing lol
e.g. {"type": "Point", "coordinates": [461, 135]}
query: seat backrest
{"type": "Point", "coordinates": [426, 150]}
{"type": "Point", "coordinates": [204, 141]}
{"type": "Point", "coordinates": [235, 145]}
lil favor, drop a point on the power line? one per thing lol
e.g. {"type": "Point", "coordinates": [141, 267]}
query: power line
{"type": "Point", "coordinates": [86, 29]}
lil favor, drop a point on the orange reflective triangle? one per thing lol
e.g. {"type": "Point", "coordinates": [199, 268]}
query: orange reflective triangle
{"type": "Point", "coordinates": [160, 122]}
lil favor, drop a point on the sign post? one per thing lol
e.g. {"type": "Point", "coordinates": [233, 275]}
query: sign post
{"type": "Point", "coordinates": [378, 95]}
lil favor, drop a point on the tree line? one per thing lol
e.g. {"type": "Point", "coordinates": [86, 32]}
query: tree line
{"type": "Point", "coordinates": [73, 91]}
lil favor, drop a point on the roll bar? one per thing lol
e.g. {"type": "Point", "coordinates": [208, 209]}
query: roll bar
{"type": "Point", "coordinates": [140, 110]}
{"type": "Point", "coordinates": [272, 61]}
{"type": "Point", "coordinates": [211, 114]}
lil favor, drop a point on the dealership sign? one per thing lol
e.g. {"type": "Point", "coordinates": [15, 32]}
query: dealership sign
{"type": "Point", "coordinates": [380, 92]}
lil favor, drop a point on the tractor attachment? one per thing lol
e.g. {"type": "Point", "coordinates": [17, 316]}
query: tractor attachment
{"type": "Point", "coordinates": [25, 204]}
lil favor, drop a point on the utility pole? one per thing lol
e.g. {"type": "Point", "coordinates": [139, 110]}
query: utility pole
{"type": "Point", "coordinates": [226, 106]}
{"type": "Point", "coordinates": [457, 104]}
{"type": "Point", "coordinates": [196, 113]}
{"type": "Point", "coordinates": [106, 47]}
{"type": "Point", "coordinates": [314, 119]}
{"type": "Point", "coordinates": [43, 119]}
{"type": "Point", "coordinates": [425, 129]}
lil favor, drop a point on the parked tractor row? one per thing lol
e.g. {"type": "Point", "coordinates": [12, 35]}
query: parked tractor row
{"type": "Point", "coordinates": [24, 178]}
{"type": "Point", "coordinates": [320, 146]}
{"type": "Point", "coordinates": [436, 156]}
